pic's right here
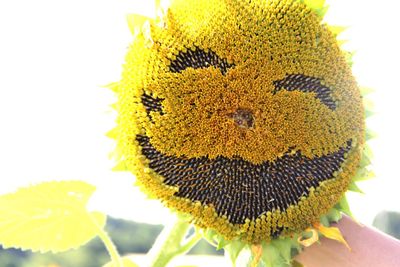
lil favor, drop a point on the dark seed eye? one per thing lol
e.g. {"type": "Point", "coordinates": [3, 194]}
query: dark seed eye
{"type": "Point", "coordinates": [152, 104]}
{"type": "Point", "coordinates": [306, 84]}
{"type": "Point", "coordinates": [199, 59]}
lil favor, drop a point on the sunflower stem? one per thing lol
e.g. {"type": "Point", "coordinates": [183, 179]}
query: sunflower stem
{"type": "Point", "coordinates": [111, 249]}
{"type": "Point", "coordinates": [171, 243]}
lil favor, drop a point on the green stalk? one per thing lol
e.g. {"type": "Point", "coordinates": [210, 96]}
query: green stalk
{"type": "Point", "coordinates": [111, 249]}
{"type": "Point", "coordinates": [169, 243]}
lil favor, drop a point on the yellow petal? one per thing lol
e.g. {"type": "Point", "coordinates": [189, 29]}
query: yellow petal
{"type": "Point", "coordinates": [257, 252]}
{"type": "Point", "coordinates": [309, 241]}
{"type": "Point", "coordinates": [332, 233]}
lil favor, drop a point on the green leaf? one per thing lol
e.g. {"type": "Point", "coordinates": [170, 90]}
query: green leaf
{"type": "Point", "coordinates": [50, 216]}
{"type": "Point", "coordinates": [125, 261]}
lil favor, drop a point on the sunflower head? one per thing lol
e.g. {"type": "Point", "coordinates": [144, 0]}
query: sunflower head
{"type": "Point", "coordinates": [243, 114]}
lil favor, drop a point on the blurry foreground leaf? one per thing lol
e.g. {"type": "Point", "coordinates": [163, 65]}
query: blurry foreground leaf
{"type": "Point", "coordinates": [126, 262]}
{"type": "Point", "coordinates": [51, 216]}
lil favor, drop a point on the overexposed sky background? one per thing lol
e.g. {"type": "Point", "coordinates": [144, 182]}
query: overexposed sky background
{"type": "Point", "coordinates": [56, 54]}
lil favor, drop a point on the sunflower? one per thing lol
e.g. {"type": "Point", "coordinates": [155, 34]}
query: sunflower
{"type": "Point", "coordinates": [243, 115]}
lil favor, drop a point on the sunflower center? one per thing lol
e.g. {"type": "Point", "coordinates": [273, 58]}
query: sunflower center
{"type": "Point", "coordinates": [243, 118]}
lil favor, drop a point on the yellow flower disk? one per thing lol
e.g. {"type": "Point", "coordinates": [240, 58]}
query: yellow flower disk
{"type": "Point", "coordinates": [244, 115]}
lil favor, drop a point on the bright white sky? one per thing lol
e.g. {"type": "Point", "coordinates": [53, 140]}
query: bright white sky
{"type": "Point", "coordinates": [55, 55]}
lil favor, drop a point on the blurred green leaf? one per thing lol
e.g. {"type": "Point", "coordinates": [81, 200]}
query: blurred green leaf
{"type": "Point", "coordinates": [51, 216]}
{"type": "Point", "coordinates": [127, 262]}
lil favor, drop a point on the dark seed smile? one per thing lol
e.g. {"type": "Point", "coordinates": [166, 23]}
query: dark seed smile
{"type": "Point", "coordinates": [239, 189]}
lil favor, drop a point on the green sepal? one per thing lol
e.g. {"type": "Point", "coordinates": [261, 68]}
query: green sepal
{"type": "Point", "coordinates": [210, 235]}
{"type": "Point", "coordinates": [233, 249]}
{"type": "Point", "coordinates": [363, 175]}
{"type": "Point", "coordinates": [368, 152]}
{"type": "Point", "coordinates": [157, 3]}
{"type": "Point", "coordinates": [369, 134]}
{"type": "Point", "coordinates": [322, 11]}
{"type": "Point", "coordinates": [284, 248]}
{"type": "Point", "coordinates": [366, 90]}
{"type": "Point", "coordinates": [365, 161]}
{"type": "Point", "coordinates": [280, 252]}
{"type": "Point", "coordinates": [221, 243]}
{"type": "Point", "coordinates": [114, 106]}
{"type": "Point", "coordinates": [315, 4]}
{"type": "Point", "coordinates": [113, 133]}
{"type": "Point", "coordinates": [324, 221]}
{"type": "Point", "coordinates": [336, 29]}
{"type": "Point", "coordinates": [354, 187]}
{"type": "Point", "coordinates": [369, 107]}
{"type": "Point", "coordinates": [121, 166]}
{"type": "Point", "coordinates": [136, 22]}
{"type": "Point", "coordinates": [368, 113]}
{"type": "Point", "coordinates": [271, 257]}
{"type": "Point", "coordinates": [318, 6]}
{"type": "Point", "coordinates": [333, 215]}
{"type": "Point", "coordinates": [297, 264]}
{"type": "Point", "coordinates": [344, 207]}
{"type": "Point", "coordinates": [114, 86]}
{"type": "Point", "coordinates": [347, 54]}
{"type": "Point", "coordinates": [296, 247]}
{"type": "Point", "coordinates": [215, 239]}
{"type": "Point", "coordinates": [360, 174]}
